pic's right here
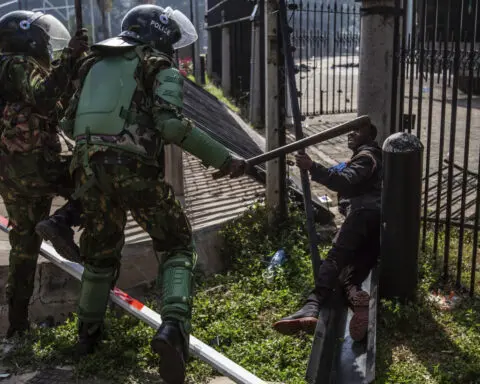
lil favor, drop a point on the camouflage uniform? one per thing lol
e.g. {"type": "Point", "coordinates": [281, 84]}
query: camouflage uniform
{"type": "Point", "coordinates": [120, 168]}
{"type": "Point", "coordinates": [32, 170]}
{"type": "Point", "coordinates": [120, 129]}
{"type": "Point", "coordinates": [114, 174]}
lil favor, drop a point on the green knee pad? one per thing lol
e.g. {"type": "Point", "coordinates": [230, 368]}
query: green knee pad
{"type": "Point", "coordinates": [177, 282]}
{"type": "Point", "coordinates": [94, 293]}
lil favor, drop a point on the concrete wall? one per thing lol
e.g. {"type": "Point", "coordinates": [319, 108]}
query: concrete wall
{"type": "Point", "coordinates": [56, 292]}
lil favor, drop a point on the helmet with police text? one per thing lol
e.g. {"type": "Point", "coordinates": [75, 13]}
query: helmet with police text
{"type": "Point", "coordinates": [164, 29]}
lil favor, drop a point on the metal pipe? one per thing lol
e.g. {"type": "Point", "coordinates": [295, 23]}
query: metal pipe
{"type": "Point", "coordinates": [9, 3]}
{"type": "Point", "coordinates": [198, 349]}
{"type": "Point", "coordinates": [49, 8]}
{"type": "Point", "coordinates": [311, 140]}
{"type": "Point", "coordinates": [92, 18]}
{"type": "Point", "coordinates": [253, 74]}
{"type": "Point", "coordinates": [78, 14]}
{"type": "Point", "coordinates": [67, 14]}
{"type": "Point", "coordinates": [307, 198]}
{"type": "Point", "coordinates": [224, 23]}
{"type": "Point", "coordinates": [216, 6]}
{"type": "Point", "coordinates": [109, 21]}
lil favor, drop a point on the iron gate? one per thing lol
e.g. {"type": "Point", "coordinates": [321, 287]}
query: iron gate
{"type": "Point", "coordinates": [438, 81]}
{"type": "Point", "coordinates": [327, 38]}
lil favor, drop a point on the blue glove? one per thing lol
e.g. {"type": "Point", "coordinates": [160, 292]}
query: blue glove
{"type": "Point", "coordinates": [337, 168]}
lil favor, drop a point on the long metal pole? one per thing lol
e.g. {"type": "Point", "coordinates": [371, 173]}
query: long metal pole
{"type": "Point", "coordinates": [307, 198]}
{"type": "Point", "coordinates": [78, 14]}
{"type": "Point", "coordinates": [300, 145]}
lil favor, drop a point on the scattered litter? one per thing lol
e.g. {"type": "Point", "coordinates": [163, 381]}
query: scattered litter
{"type": "Point", "coordinates": [325, 199]}
{"type": "Point", "coordinates": [276, 263]}
{"type": "Point", "coordinates": [65, 368]}
{"type": "Point", "coordinates": [445, 302]}
{"type": "Point", "coordinates": [6, 347]}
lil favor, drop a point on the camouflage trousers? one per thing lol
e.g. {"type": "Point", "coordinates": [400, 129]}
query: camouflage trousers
{"type": "Point", "coordinates": [117, 188]}
{"type": "Point", "coordinates": [28, 183]}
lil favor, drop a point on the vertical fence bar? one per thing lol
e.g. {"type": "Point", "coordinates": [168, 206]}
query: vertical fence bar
{"type": "Point", "coordinates": [315, 42]}
{"type": "Point", "coordinates": [412, 70]}
{"type": "Point", "coordinates": [450, 50]}
{"type": "Point", "coordinates": [423, 11]}
{"type": "Point", "coordinates": [329, 8]}
{"type": "Point", "coordinates": [403, 62]}
{"type": "Point", "coordinates": [453, 128]}
{"type": "Point", "coordinates": [354, 44]}
{"type": "Point", "coordinates": [442, 127]}
{"type": "Point", "coordinates": [433, 54]}
{"type": "Point", "coordinates": [340, 71]}
{"type": "Point", "coordinates": [322, 42]}
{"type": "Point", "coordinates": [347, 58]}
{"type": "Point", "coordinates": [300, 15]}
{"type": "Point", "coordinates": [440, 54]}
{"type": "Point", "coordinates": [335, 12]}
{"type": "Point", "coordinates": [470, 64]}
{"type": "Point", "coordinates": [409, 59]}
{"type": "Point", "coordinates": [307, 54]}
{"type": "Point", "coordinates": [476, 228]}
{"type": "Point", "coordinates": [395, 71]}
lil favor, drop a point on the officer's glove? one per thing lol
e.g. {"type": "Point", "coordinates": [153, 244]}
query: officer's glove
{"type": "Point", "coordinates": [79, 43]}
{"type": "Point", "coordinates": [234, 168]}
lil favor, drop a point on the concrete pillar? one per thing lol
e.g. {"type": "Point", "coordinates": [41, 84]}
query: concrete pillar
{"type": "Point", "coordinates": [376, 64]}
{"type": "Point", "coordinates": [174, 171]}
{"type": "Point", "coordinates": [209, 55]}
{"type": "Point", "coordinates": [226, 68]}
{"type": "Point", "coordinates": [275, 135]}
{"type": "Point", "coordinates": [289, 123]}
{"type": "Point", "coordinates": [196, 59]}
{"type": "Point", "coordinates": [255, 78]}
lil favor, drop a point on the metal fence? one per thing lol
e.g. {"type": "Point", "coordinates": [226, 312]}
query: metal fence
{"type": "Point", "coordinates": [439, 84]}
{"type": "Point", "coordinates": [233, 19]}
{"type": "Point", "coordinates": [326, 36]}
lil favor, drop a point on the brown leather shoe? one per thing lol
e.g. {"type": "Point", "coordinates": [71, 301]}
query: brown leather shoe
{"type": "Point", "coordinates": [359, 302]}
{"type": "Point", "coordinates": [303, 320]}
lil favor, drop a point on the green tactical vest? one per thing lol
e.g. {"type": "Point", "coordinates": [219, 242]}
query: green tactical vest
{"type": "Point", "coordinates": [106, 96]}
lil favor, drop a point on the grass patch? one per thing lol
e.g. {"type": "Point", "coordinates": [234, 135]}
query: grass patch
{"type": "Point", "coordinates": [417, 343]}
{"type": "Point", "coordinates": [421, 343]}
{"type": "Point", "coordinates": [211, 88]}
{"type": "Point", "coordinates": [233, 313]}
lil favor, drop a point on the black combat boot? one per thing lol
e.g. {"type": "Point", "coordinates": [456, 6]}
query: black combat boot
{"type": "Point", "coordinates": [358, 301]}
{"type": "Point", "coordinates": [306, 318]}
{"type": "Point", "coordinates": [17, 317]}
{"type": "Point", "coordinates": [89, 336]}
{"type": "Point", "coordinates": [57, 229]}
{"type": "Point", "coordinates": [172, 346]}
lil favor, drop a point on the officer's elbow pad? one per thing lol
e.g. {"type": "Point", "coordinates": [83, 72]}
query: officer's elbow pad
{"type": "Point", "coordinates": [194, 141]}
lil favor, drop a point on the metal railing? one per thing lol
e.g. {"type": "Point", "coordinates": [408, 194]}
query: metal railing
{"type": "Point", "coordinates": [439, 84]}
{"type": "Point", "coordinates": [327, 38]}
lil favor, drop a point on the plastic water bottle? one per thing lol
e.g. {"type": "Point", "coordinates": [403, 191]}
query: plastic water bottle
{"type": "Point", "coordinates": [278, 259]}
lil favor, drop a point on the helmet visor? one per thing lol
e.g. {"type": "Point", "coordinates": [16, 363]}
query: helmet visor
{"type": "Point", "coordinates": [189, 33]}
{"type": "Point", "coordinates": [58, 34]}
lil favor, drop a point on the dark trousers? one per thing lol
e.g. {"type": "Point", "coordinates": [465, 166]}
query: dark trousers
{"type": "Point", "coordinates": [355, 250]}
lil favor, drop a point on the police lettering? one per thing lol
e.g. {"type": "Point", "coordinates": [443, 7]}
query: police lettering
{"type": "Point", "coordinates": [160, 27]}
